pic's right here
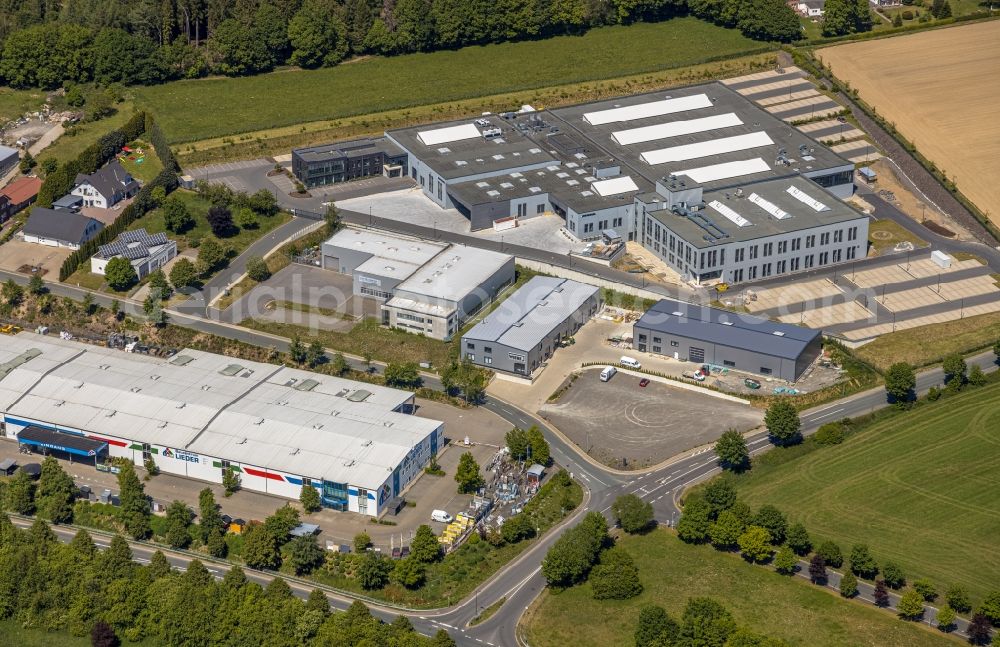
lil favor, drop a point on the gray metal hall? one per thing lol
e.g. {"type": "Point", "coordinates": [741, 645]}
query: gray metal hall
{"type": "Point", "coordinates": [528, 326]}
{"type": "Point", "coordinates": [742, 342]}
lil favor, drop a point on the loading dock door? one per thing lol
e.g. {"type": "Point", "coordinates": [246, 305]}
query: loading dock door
{"type": "Point", "coordinates": [696, 355]}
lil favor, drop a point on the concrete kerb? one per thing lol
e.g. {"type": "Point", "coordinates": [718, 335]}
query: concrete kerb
{"type": "Point", "coordinates": [299, 234]}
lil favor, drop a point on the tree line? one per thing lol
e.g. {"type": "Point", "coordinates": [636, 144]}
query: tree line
{"type": "Point", "coordinates": [151, 41]}
{"type": "Point", "coordinates": [75, 588]}
{"type": "Point", "coordinates": [715, 516]}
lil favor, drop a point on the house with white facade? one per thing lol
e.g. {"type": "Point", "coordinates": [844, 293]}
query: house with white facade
{"type": "Point", "coordinates": [106, 187]}
{"type": "Point", "coordinates": [59, 228]}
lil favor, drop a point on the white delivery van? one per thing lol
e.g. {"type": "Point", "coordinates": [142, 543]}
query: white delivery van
{"type": "Point", "coordinates": [440, 515]}
{"type": "Point", "coordinates": [608, 373]}
{"type": "Point", "coordinates": [631, 362]}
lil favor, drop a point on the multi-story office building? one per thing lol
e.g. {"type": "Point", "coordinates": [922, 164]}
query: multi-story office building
{"type": "Point", "coordinates": [342, 161]}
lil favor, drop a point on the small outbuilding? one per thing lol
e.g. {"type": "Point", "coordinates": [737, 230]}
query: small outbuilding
{"type": "Point", "coordinates": [535, 473]}
{"type": "Point", "coordinates": [9, 158]}
{"type": "Point", "coordinates": [8, 466]}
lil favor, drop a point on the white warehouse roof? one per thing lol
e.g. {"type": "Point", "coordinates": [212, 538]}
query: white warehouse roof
{"type": "Point", "coordinates": [646, 110]}
{"type": "Point", "coordinates": [614, 186]}
{"type": "Point", "coordinates": [454, 273]}
{"type": "Point", "coordinates": [707, 148]}
{"type": "Point", "coordinates": [312, 425]}
{"type": "Point", "coordinates": [714, 172]}
{"type": "Point", "coordinates": [448, 134]}
{"type": "Point", "coordinates": [675, 129]}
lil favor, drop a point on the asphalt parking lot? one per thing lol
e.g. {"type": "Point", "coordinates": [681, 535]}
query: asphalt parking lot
{"type": "Point", "coordinates": [624, 425]}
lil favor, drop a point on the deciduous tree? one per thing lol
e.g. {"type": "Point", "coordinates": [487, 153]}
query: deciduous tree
{"type": "Point", "coordinates": [755, 544]}
{"type": "Point", "coordinates": [945, 618]}
{"type": "Point", "coordinates": [862, 562]}
{"type": "Point", "coordinates": [731, 448]}
{"type": "Point", "coordinates": [632, 513]}
{"type": "Point", "coordinates": [785, 560]}
{"type": "Point", "coordinates": [373, 571]}
{"type": "Point", "coordinates": [119, 274]}
{"type": "Point", "coordinates": [56, 492]}
{"type": "Point", "coordinates": [425, 547]}
{"type": "Point", "coordinates": [773, 521]}
{"type": "Point", "coordinates": [893, 576]}
{"type": "Point", "coordinates": [309, 498]}
{"type": "Point", "coordinates": [467, 474]}
{"type": "Point", "coordinates": [615, 577]}
{"type": "Point", "coordinates": [900, 382]}
{"type": "Point", "coordinates": [178, 521]}
{"type": "Point", "coordinates": [183, 274]}
{"type": "Point", "coordinates": [654, 627]}
{"type": "Point", "coordinates": [881, 594]}
{"type": "Point", "coordinates": [695, 522]}
{"type": "Point", "coordinates": [257, 269]}
{"type": "Point", "coordinates": [848, 585]}
{"type": "Point", "coordinates": [782, 422]}
{"type": "Point", "coordinates": [134, 504]}
{"type": "Point", "coordinates": [304, 554]}
{"type": "Point", "coordinates": [817, 569]}
{"type": "Point", "coordinates": [958, 598]}
{"type": "Point", "coordinates": [798, 539]}
{"type": "Point", "coordinates": [176, 217]}
{"type": "Point", "coordinates": [831, 554]}
{"type": "Point", "coordinates": [910, 606]}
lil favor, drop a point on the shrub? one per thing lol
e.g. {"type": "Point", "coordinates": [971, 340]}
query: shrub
{"type": "Point", "coordinates": [832, 433]}
{"type": "Point", "coordinates": [907, 15]}
{"type": "Point", "coordinates": [910, 606]}
{"type": "Point", "coordinates": [958, 598]}
{"type": "Point", "coordinates": [926, 589]}
{"type": "Point", "coordinates": [848, 585]}
{"type": "Point", "coordinates": [945, 618]}
{"type": "Point", "coordinates": [893, 575]}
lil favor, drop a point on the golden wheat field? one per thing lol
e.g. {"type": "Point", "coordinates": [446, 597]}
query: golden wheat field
{"type": "Point", "coordinates": [942, 90]}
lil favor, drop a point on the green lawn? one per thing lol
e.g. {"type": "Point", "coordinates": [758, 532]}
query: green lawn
{"type": "Point", "coordinates": [144, 170]}
{"type": "Point", "coordinates": [919, 488]}
{"type": "Point", "coordinates": [672, 571]}
{"type": "Point", "coordinates": [78, 137]}
{"type": "Point", "coordinates": [14, 634]}
{"type": "Point", "coordinates": [200, 109]}
{"type": "Point", "coordinates": [198, 206]}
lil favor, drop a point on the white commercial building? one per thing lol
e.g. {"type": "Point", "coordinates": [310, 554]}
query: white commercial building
{"type": "Point", "coordinates": [146, 252]}
{"type": "Point", "coordinates": [426, 287]}
{"type": "Point", "coordinates": [198, 414]}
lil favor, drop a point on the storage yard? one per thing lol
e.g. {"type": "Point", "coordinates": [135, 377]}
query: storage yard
{"type": "Point", "coordinates": [946, 105]}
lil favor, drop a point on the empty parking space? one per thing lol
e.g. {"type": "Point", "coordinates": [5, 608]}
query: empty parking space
{"type": "Point", "coordinates": [814, 291]}
{"type": "Point", "coordinates": [620, 421]}
{"type": "Point", "coordinates": [830, 315]}
{"type": "Point", "coordinates": [786, 96]}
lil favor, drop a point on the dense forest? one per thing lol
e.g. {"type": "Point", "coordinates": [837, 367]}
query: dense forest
{"type": "Point", "coordinates": [47, 43]}
{"type": "Point", "coordinates": [73, 587]}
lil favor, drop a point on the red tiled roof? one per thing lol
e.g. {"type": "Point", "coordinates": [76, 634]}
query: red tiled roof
{"type": "Point", "coordinates": [22, 189]}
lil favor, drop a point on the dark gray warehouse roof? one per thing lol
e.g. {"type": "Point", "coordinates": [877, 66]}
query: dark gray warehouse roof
{"type": "Point", "coordinates": [528, 315]}
{"type": "Point", "coordinates": [726, 328]}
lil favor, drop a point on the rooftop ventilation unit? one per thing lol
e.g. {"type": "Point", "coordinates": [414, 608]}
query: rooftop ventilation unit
{"type": "Point", "coordinates": [778, 333]}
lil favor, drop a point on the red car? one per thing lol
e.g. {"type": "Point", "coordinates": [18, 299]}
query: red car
{"type": "Point", "coordinates": [643, 382]}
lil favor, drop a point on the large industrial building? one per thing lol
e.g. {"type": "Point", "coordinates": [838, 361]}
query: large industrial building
{"type": "Point", "coordinates": [198, 414]}
{"type": "Point", "coordinates": [425, 287]}
{"type": "Point", "coordinates": [768, 229]}
{"type": "Point", "coordinates": [588, 162]}
{"type": "Point", "coordinates": [528, 326]}
{"type": "Point", "coordinates": [343, 161]}
{"type": "Point", "coordinates": [702, 334]}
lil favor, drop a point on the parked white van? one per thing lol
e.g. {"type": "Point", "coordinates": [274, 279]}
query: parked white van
{"type": "Point", "coordinates": [631, 362]}
{"type": "Point", "coordinates": [608, 373]}
{"type": "Point", "coordinates": [440, 515]}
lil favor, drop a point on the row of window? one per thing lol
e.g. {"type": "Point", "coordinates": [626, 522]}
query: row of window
{"type": "Point", "coordinates": [372, 292]}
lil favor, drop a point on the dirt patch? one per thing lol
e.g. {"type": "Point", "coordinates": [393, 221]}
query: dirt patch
{"type": "Point", "coordinates": [32, 269]}
{"type": "Point", "coordinates": [940, 230]}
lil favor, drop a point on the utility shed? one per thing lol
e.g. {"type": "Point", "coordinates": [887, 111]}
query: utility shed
{"type": "Point", "coordinates": [707, 335]}
{"type": "Point", "coordinates": [525, 329]}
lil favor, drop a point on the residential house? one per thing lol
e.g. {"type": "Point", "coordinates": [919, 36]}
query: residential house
{"type": "Point", "coordinates": [811, 8]}
{"type": "Point", "coordinates": [146, 252]}
{"type": "Point", "coordinates": [17, 195]}
{"type": "Point", "coordinates": [107, 187]}
{"type": "Point", "coordinates": [59, 228]}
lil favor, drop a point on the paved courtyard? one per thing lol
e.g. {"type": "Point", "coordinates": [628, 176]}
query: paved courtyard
{"type": "Point", "coordinates": [412, 206]}
{"type": "Point", "coordinates": [17, 253]}
{"type": "Point", "coordinates": [627, 426]}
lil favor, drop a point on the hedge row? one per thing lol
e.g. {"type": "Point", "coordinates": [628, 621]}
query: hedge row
{"type": "Point", "coordinates": [96, 156]}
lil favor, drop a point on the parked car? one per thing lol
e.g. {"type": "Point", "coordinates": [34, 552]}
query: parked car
{"type": "Point", "coordinates": [608, 373]}
{"type": "Point", "coordinates": [644, 381]}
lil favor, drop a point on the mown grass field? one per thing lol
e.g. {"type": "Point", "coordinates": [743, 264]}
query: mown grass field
{"type": "Point", "coordinates": [919, 488]}
{"type": "Point", "coordinates": [201, 109]}
{"type": "Point", "coordinates": [932, 343]}
{"type": "Point", "coordinates": [672, 571]}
